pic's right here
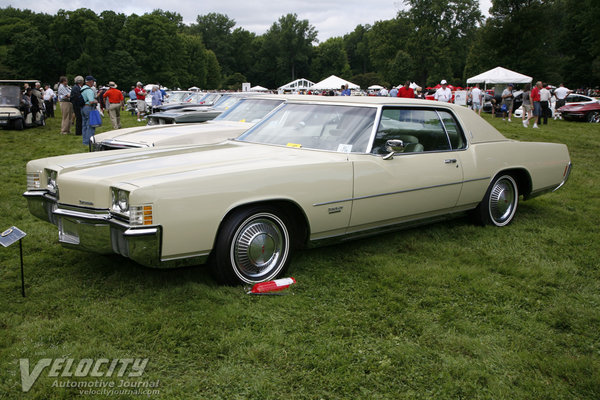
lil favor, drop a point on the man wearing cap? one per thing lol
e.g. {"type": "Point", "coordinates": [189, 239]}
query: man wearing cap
{"type": "Point", "coordinates": [507, 100]}
{"type": "Point", "coordinates": [89, 103]}
{"type": "Point", "coordinates": [444, 93]}
{"type": "Point", "coordinates": [114, 99]}
{"type": "Point", "coordinates": [140, 94]}
{"type": "Point", "coordinates": [537, 108]}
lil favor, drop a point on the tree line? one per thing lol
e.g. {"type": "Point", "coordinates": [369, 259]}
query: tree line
{"type": "Point", "coordinates": [551, 40]}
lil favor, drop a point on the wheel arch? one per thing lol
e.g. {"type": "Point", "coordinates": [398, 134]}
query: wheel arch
{"type": "Point", "coordinates": [521, 176]}
{"type": "Point", "coordinates": [301, 226]}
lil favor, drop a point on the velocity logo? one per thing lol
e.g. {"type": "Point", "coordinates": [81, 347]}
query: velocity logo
{"type": "Point", "coordinates": [68, 368]}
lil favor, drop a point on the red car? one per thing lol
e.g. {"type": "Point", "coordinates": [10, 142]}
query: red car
{"type": "Point", "coordinates": [584, 112]}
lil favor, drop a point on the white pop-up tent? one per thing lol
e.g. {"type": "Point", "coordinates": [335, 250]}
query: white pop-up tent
{"type": "Point", "coordinates": [333, 82]}
{"type": "Point", "coordinates": [499, 75]}
{"type": "Point", "coordinates": [298, 84]}
{"type": "Point", "coordinates": [258, 89]}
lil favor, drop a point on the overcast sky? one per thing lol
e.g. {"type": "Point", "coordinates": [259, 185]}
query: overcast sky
{"type": "Point", "coordinates": [329, 17]}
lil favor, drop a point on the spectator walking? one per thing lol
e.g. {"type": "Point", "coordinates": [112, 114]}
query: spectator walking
{"type": "Point", "coordinates": [394, 92]}
{"type": "Point", "coordinates": [66, 108]}
{"type": "Point", "coordinates": [444, 93]}
{"type": "Point", "coordinates": [383, 91]}
{"type": "Point", "coordinates": [507, 101]}
{"type": "Point", "coordinates": [537, 107]}
{"type": "Point", "coordinates": [477, 99]}
{"type": "Point", "coordinates": [156, 96]}
{"type": "Point", "coordinates": [527, 107]}
{"type": "Point", "coordinates": [89, 99]}
{"type": "Point", "coordinates": [406, 91]}
{"type": "Point", "coordinates": [140, 94]}
{"type": "Point", "coordinates": [77, 102]}
{"type": "Point", "coordinates": [115, 101]}
{"type": "Point", "coordinates": [49, 101]}
{"type": "Point", "coordinates": [545, 97]}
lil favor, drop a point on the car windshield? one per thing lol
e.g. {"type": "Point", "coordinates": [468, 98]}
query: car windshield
{"type": "Point", "coordinates": [315, 126]}
{"type": "Point", "coordinates": [249, 110]}
{"type": "Point", "coordinates": [10, 96]}
{"type": "Point", "coordinates": [177, 97]}
{"type": "Point", "coordinates": [226, 102]}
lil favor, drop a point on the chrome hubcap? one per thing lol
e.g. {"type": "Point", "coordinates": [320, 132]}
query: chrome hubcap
{"type": "Point", "coordinates": [259, 247]}
{"type": "Point", "coordinates": [502, 201]}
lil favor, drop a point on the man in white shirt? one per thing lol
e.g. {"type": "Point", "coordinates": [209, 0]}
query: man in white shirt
{"type": "Point", "coordinates": [383, 92]}
{"type": "Point", "coordinates": [444, 93]}
{"type": "Point", "coordinates": [48, 96]}
{"type": "Point", "coordinates": [545, 96]}
{"type": "Point", "coordinates": [477, 99]}
{"type": "Point", "coordinates": [561, 94]}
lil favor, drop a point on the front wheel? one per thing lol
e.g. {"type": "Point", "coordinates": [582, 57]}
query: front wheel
{"type": "Point", "coordinates": [252, 246]}
{"type": "Point", "coordinates": [499, 205]}
{"type": "Point", "coordinates": [594, 117]}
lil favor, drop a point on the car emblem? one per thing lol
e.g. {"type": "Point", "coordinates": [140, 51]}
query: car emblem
{"type": "Point", "coordinates": [333, 210]}
{"type": "Point", "coordinates": [86, 203]}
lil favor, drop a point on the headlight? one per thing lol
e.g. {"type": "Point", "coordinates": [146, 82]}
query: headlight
{"type": "Point", "coordinates": [51, 181]}
{"type": "Point", "coordinates": [120, 201]}
{"type": "Point", "coordinates": [33, 181]}
{"type": "Point", "coordinates": [138, 215]}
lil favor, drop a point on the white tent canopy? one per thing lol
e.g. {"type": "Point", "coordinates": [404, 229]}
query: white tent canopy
{"type": "Point", "coordinates": [333, 82]}
{"type": "Point", "coordinates": [298, 84]}
{"type": "Point", "coordinates": [500, 75]}
{"type": "Point", "coordinates": [258, 89]}
{"type": "Point", "coordinates": [375, 87]}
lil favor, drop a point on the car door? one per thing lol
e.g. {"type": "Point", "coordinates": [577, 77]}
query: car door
{"type": "Point", "coordinates": [422, 178]}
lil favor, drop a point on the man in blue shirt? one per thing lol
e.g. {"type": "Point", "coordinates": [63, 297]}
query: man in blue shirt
{"type": "Point", "coordinates": [133, 98]}
{"type": "Point", "coordinates": [90, 102]}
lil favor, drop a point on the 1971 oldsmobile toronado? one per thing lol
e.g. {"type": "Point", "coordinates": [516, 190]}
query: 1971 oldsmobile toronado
{"type": "Point", "coordinates": [314, 170]}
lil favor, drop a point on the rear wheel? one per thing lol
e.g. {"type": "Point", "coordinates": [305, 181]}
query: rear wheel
{"type": "Point", "coordinates": [593, 117]}
{"type": "Point", "coordinates": [499, 205]}
{"type": "Point", "coordinates": [252, 246]}
{"type": "Point", "coordinates": [18, 124]}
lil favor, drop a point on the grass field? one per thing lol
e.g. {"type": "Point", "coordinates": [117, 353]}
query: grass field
{"type": "Point", "coordinates": [445, 311]}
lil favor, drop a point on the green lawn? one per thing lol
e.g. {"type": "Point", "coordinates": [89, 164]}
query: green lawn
{"type": "Point", "coordinates": [445, 311]}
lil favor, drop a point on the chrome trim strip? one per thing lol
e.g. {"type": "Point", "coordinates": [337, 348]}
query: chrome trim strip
{"type": "Point", "coordinates": [565, 178]}
{"type": "Point", "coordinates": [398, 192]}
{"type": "Point", "coordinates": [117, 144]}
{"type": "Point", "coordinates": [83, 215]}
{"type": "Point", "coordinates": [140, 232]}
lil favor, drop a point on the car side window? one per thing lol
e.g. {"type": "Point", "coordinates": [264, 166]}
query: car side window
{"type": "Point", "coordinates": [421, 130]}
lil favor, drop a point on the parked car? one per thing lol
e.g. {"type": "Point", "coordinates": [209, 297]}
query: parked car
{"type": "Point", "coordinates": [315, 170]}
{"type": "Point", "coordinates": [573, 98]}
{"type": "Point", "coordinates": [13, 115]}
{"type": "Point", "coordinates": [240, 117]}
{"type": "Point", "coordinates": [195, 114]}
{"type": "Point", "coordinates": [196, 99]}
{"type": "Point", "coordinates": [588, 111]}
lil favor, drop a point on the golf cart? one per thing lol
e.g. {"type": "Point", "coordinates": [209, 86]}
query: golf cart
{"type": "Point", "coordinates": [14, 113]}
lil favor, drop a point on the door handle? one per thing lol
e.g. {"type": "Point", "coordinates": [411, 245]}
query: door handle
{"type": "Point", "coordinates": [450, 161]}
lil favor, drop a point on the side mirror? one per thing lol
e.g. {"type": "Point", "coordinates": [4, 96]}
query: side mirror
{"type": "Point", "coordinates": [393, 146]}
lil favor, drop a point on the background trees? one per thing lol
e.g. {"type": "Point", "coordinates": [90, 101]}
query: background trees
{"type": "Point", "coordinates": [552, 40]}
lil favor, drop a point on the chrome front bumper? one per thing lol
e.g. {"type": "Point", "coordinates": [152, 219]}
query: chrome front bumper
{"type": "Point", "coordinates": [97, 230]}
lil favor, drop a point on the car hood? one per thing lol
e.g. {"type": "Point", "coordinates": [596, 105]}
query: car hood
{"type": "Point", "coordinates": [90, 177]}
{"type": "Point", "coordinates": [209, 132]}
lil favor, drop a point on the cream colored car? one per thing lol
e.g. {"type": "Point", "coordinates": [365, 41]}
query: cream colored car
{"type": "Point", "coordinates": [315, 170]}
{"type": "Point", "coordinates": [230, 124]}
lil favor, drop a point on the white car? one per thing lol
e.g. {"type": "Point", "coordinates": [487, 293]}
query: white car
{"type": "Point", "coordinates": [230, 124]}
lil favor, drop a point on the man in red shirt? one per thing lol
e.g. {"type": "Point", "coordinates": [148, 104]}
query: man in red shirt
{"type": "Point", "coordinates": [115, 100]}
{"type": "Point", "coordinates": [537, 107]}
{"type": "Point", "coordinates": [140, 94]}
{"type": "Point", "coordinates": [406, 92]}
